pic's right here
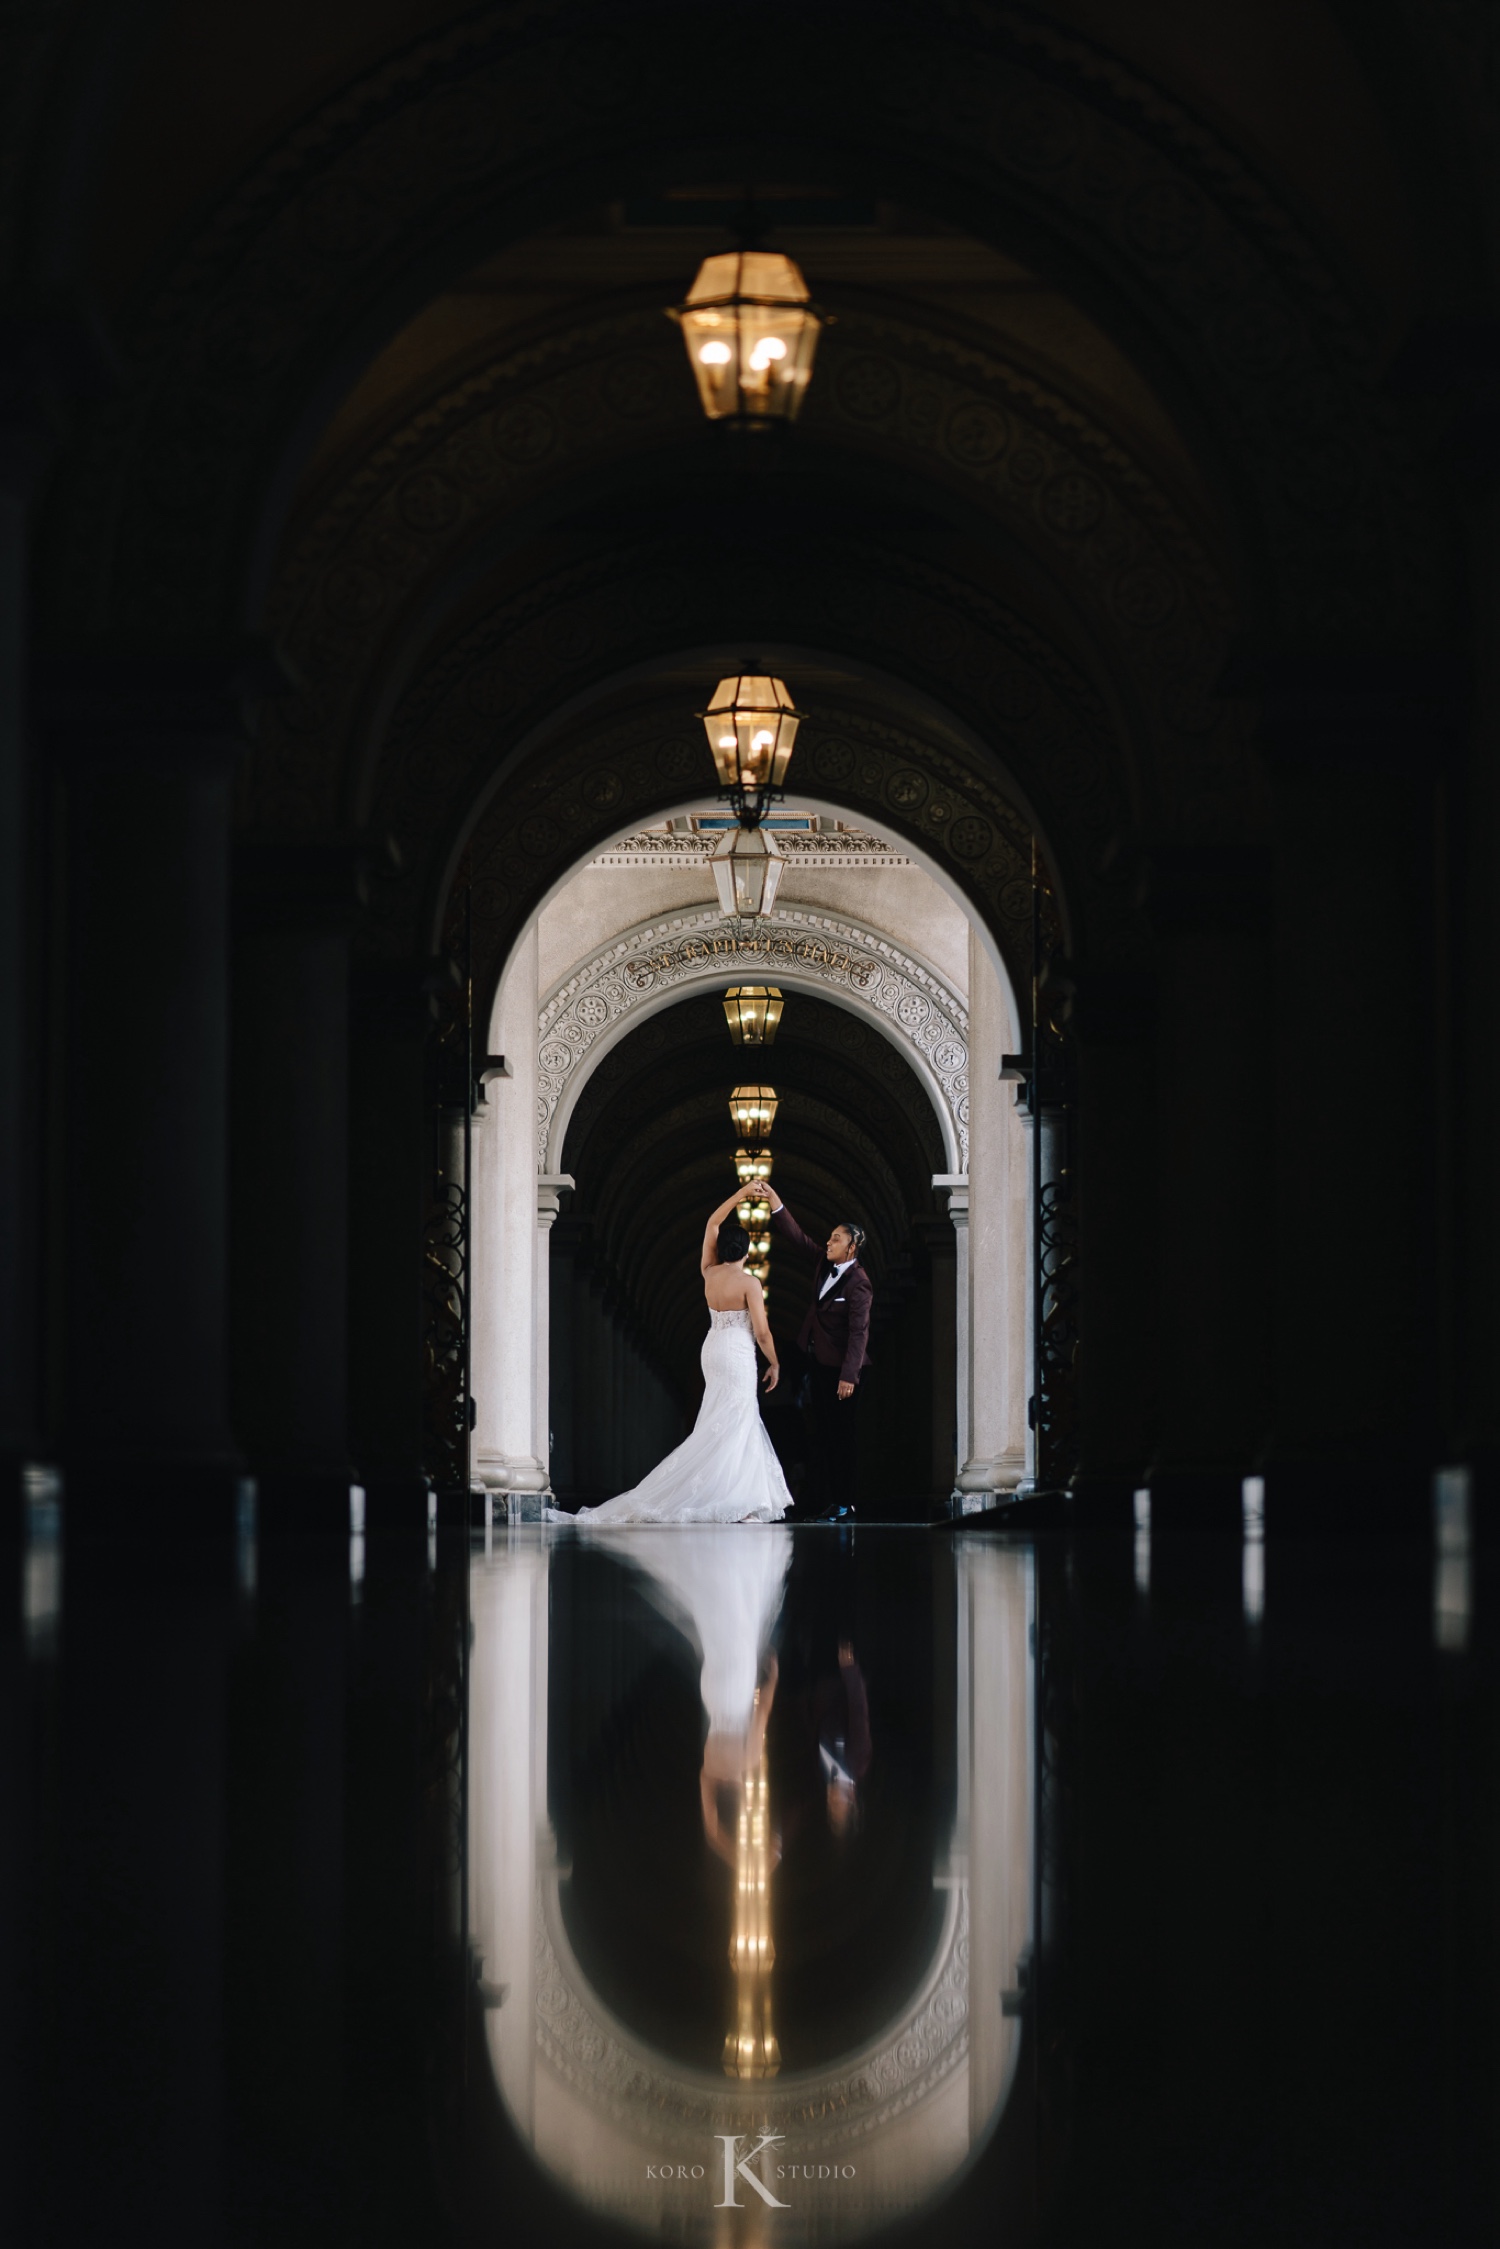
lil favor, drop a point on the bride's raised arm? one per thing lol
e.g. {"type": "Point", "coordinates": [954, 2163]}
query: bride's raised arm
{"type": "Point", "coordinates": [710, 1255]}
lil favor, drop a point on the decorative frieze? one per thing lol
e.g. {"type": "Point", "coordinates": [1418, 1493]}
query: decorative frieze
{"type": "Point", "coordinates": [863, 968]}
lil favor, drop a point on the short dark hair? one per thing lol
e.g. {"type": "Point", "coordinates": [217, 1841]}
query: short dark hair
{"type": "Point", "coordinates": [855, 1233]}
{"type": "Point", "coordinates": [734, 1242]}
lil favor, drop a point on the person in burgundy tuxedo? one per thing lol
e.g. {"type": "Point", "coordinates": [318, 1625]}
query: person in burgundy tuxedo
{"type": "Point", "coordinates": [834, 1340]}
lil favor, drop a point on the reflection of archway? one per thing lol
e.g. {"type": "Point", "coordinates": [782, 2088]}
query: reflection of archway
{"type": "Point", "coordinates": [910, 2108]}
{"type": "Point", "coordinates": [649, 966]}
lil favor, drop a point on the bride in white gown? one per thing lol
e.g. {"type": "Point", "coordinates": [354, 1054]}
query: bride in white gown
{"type": "Point", "coordinates": [727, 1470]}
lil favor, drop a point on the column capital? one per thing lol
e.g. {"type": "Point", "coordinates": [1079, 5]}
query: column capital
{"type": "Point", "coordinates": [955, 1184]}
{"type": "Point", "coordinates": [550, 1188]}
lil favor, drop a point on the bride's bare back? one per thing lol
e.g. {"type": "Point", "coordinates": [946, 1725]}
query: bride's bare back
{"type": "Point", "coordinates": [729, 1288]}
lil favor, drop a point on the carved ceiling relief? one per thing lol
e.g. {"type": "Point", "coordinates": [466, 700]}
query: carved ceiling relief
{"type": "Point", "coordinates": [859, 966]}
{"type": "Point", "coordinates": [556, 816]}
{"type": "Point", "coordinates": [1062, 486]}
{"type": "Point", "coordinates": [571, 799]}
{"type": "Point", "coordinates": [146, 535]}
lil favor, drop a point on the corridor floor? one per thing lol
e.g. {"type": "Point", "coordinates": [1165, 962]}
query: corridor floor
{"type": "Point", "coordinates": [750, 1886]}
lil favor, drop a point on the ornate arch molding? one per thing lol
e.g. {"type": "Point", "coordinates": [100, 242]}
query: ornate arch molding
{"type": "Point", "coordinates": [982, 109]}
{"type": "Point", "coordinates": [626, 2081]}
{"type": "Point", "coordinates": [649, 966]}
{"type": "Point", "coordinates": [547, 416]}
{"type": "Point", "coordinates": [571, 797]}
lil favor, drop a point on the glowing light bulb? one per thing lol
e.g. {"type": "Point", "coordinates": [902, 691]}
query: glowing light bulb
{"type": "Point", "coordinates": [769, 348]}
{"type": "Point", "coordinates": [715, 355]}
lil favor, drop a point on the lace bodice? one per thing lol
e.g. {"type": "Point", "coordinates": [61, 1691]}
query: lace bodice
{"type": "Point", "coordinates": [737, 1317]}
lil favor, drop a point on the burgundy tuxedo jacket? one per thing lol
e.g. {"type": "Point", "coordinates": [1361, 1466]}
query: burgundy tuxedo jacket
{"type": "Point", "coordinates": [836, 1328]}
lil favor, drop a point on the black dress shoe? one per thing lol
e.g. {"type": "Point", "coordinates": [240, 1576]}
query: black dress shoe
{"type": "Point", "coordinates": [835, 1515]}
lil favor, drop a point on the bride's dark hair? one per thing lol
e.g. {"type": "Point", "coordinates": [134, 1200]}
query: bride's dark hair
{"type": "Point", "coordinates": [734, 1242]}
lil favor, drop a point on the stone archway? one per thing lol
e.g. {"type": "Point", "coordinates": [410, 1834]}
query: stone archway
{"type": "Point", "coordinates": [655, 962]}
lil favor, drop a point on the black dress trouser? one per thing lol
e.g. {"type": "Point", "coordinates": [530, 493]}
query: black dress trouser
{"type": "Point", "coordinates": [835, 1447]}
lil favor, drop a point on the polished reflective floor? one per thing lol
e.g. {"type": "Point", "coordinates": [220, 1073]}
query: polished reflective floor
{"type": "Point", "coordinates": [750, 1885]}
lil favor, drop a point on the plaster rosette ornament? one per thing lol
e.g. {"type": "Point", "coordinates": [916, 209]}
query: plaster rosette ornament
{"type": "Point", "coordinates": [751, 331]}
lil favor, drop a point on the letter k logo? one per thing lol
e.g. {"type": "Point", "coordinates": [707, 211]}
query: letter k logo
{"type": "Point", "coordinates": [741, 2167]}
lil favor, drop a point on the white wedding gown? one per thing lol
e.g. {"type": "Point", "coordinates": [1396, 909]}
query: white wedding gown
{"type": "Point", "coordinates": [726, 1471]}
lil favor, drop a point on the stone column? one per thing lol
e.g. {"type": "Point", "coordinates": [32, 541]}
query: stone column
{"type": "Point", "coordinates": [955, 1186]}
{"type": "Point", "coordinates": [998, 1261]}
{"type": "Point", "coordinates": [145, 759]}
{"type": "Point", "coordinates": [1355, 744]}
{"type": "Point", "coordinates": [1115, 1147]}
{"type": "Point", "coordinates": [390, 1158]}
{"type": "Point", "coordinates": [505, 1250]}
{"type": "Point", "coordinates": [550, 1187]}
{"type": "Point", "coordinates": [289, 1176]}
{"type": "Point", "coordinates": [1209, 907]}
{"type": "Point", "coordinates": [23, 452]}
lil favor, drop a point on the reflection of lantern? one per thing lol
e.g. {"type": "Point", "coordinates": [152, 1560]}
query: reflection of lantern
{"type": "Point", "coordinates": [752, 1163]}
{"type": "Point", "coordinates": [753, 1012]}
{"type": "Point", "coordinates": [747, 869]}
{"type": "Point", "coordinates": [751, 331]}
{"type": "Point", "coordinates": [753, 1108]}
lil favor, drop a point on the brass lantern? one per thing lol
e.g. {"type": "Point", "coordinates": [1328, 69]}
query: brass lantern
{"type": "Point", "coordinates": [747, 865]}
{"type": "Point", "coordinates": [753, 1108]}
{"type": "Point", "coordinates": [754, 1213]}
{"type": "Point", "coordinates": [751, 725]}
{"type": "Point", "coordinates": [753, 1011]}
{"type": "Point", "coordinates": [751, 331]}
{"type": "Point", "coordinates": [752, 1164]}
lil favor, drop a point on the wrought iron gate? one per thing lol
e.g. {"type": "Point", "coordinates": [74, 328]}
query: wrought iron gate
{"type": "Point", "coordinates": [448, 1412]}
{"type": "Point", "coordinates": [1049, 1096]}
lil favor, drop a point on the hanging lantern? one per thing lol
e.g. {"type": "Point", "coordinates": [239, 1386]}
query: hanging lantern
{"type": "Point", "coordinates": [751, 1163]}
{"type": "Point", "coordinates": [753, 1012]}
{"type": "Point", "coordinates": [747, 866]}
{"type": "Point", "coordinates": [751, 725]}
{"type": "Point", "coordinates": [761, 1269]}
{"type": "Point", "coordinates": [753, 1108]}
{"type": "Point", "coordinates": [754, 1213]}
{"type": "Point", "coordinates": [751, 331]}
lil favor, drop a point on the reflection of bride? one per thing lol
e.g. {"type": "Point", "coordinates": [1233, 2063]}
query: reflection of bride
{"type": "Point", "coordinates": [723, 1591]}
{"type": "Point", "coordinates": [723, 1587]}
{"type": "Point", "coordinates": [726, 1471]}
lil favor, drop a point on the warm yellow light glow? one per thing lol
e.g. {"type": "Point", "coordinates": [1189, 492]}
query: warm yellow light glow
{"type": "Point", "coordinates": [751, 725]}
{"type": "Point", "coordinates": [751, 2049]}
{"type": "Point", "coordinates": [753, 1108]}
{"type": "Point", "coordinates": [764, 330]}
{"type": "Point", "coordinates": [752, 1163]}
{"type": "Point", "coordinates": [753, 1013]}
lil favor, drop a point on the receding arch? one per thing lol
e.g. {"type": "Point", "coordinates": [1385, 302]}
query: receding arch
{"type": "Point", "coordinates": [654, 963]}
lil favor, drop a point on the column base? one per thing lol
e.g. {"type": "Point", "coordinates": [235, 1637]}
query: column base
{"type": "Point", "coordinates": [1104, 1499]}
{"type": "Point", "coordinates": [512, 1472]}
{"type": "Point", "coordinates": [307, 1502]}
{"type": "Point", "coordinates": [396, 1499]}
{"type": "Point", "coordinates": [1197, 1500]}
{"type": "Point", "coordinates": [1337, 1499]}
